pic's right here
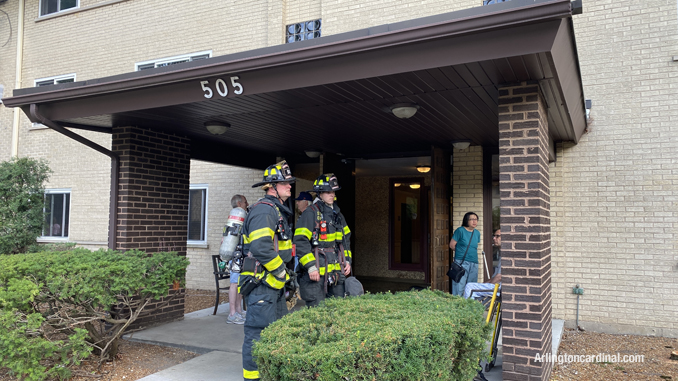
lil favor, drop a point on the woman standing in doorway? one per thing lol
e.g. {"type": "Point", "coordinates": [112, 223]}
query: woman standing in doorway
{"type": "Point", "coordinates": [464, 243]}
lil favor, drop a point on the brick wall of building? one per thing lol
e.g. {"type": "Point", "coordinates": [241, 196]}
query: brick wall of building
{"type": "Point", "coordinates": [615, 194]}
{"type": "Point", "coordinates": [467, 193]}
{"type": "Point", "coordinates": [223, 182]}
{"type": "Point", "coordinates": [8, 31]}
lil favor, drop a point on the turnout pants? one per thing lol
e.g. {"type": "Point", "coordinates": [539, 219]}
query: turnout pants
{"type": "Point", "coordinates": [314, 292]}
{"type": "Point", "coordinates": [264, 306]}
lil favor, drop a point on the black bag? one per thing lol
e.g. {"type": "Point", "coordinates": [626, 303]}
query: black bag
{"type": "Point", "coordinates": [353, 287]}
{"type": "Point", "coordinates": [456, 272]}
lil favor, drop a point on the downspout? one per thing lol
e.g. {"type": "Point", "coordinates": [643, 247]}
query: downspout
{"type": "Point", "coordinates": [115, 168]}
{"type": "Point", "coordinates": [17, 76]}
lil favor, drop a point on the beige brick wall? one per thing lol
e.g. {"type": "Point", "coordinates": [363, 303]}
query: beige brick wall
{"type": "Point", "coordinates": [467, 192]}
{"type": "Point", "coordinates": [7, 72]}
{"type": "Point", "coordinates": [85, 171]}
{"type": "Point", "coordinates": [614, 196]}
{"type": "Point", "coordinates": [223, 182]}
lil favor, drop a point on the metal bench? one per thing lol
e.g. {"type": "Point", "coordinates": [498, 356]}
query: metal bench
{"type": "Point", "coordinates": [219, 275]}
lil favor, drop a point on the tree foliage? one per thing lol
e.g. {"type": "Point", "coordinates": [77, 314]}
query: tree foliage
{"type": "Point", "coordinates": [21, 202]}
{"type": "Point", "coordinates": [57, 308]}
{"type": "Point", "coordinates": [425, 335]}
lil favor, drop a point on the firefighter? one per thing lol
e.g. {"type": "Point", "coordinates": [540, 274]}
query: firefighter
{"type": "Point", "coordinates": [267, 240]}
{"type": "Point", "coordinates": [322, 241]}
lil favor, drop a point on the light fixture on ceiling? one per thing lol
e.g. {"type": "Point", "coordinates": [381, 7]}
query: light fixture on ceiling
{"type": "Point", "coordinates": [415, 186]}
{"type": "Point", "coordinates": [312, 153]}
{"type": "Point", "coordinates": [217, 128]}
{"type": "Point", "coordinates": [423, 168]}
{"type": "Point", "coordinates": [397, 184]}
{"type": "Point", "coordinates": [404, 110]}
{"type": "Point", "coordinates": [461, 144]}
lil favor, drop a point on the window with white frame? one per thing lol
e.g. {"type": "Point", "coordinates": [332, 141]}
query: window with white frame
{"type": "Point", "coordinates": [47, 81]}
{"type": "Point", "coordinates": [197, 213]}
{"type": "Point", "coordinates": [57, 212]}
{"type": "Point", "coordinates": [162, 62]}
{"type": "Point", "coordinates": [48, 7]}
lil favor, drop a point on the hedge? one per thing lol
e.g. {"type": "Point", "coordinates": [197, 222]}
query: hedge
{"type": "Point", "coordinates": [425, 335]}
{"type": "Point", "coordinates": [57, 308]}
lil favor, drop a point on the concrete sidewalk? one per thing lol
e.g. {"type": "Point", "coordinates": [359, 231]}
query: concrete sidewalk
{"type": "Point", "coordinates": [220, 346]}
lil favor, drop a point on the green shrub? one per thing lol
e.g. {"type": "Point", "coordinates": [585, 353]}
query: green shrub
{"type": "Point", "coordinates": [21, 203]}
{"type": "Point", "coordinates": [57, 308]}
{"type": "Point", "coordinates": [426, 335]}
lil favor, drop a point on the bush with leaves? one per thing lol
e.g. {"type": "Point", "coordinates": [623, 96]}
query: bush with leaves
{"type": "Point", "coordinates": [56, 308]}
{"type": "Point", "coordinates": [424, 335]}
{"type": "Point", "coordinates": [21, 202]}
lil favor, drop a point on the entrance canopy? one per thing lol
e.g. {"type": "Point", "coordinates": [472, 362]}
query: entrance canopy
{"type": "Point", "coordinates": [334, 93]}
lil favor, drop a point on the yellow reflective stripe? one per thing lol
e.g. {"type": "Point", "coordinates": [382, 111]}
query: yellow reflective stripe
{"type": "Point", "coordinates": [322, 271]}
{"type": "Point", "coordinates": [259, 233]}
{"type": "Point", "coordinates": [250, 374]}
{"type": "Point", "coordinates": [348, 254]}
{"type": "Point", "coordinates": [285, 245]}
{"type": "Point", "coordinates": [303, 231]}
{"type": "Point", "coordinates": [307, 258]}
{"type": "Point", "coordinates": [246, 273]}
{"type": "Point", "coordinates": [274, 263]}
{"type": "Point", "coordinates": [336, 266]}
{"type": "Point", "coordinates": [338, 236]}
{"type": "Point", "coordinates": [274, 282]}
{"type": "Point", "coordinates": [346, 230]}
{"type": "Point", "coordinates": [331, 237]}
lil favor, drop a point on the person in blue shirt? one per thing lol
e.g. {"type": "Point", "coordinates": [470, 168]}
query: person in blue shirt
{"type": "Point", "coordinates": [464, 243]}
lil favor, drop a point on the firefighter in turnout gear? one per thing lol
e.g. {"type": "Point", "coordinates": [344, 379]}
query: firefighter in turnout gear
{"type": "Point", "coordinates": [322, 241]}
{"type": "Point", "coordinates": [267, 242]}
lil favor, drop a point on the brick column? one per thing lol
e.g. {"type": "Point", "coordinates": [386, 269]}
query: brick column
{"type": "Point", "coordinates": [526, 232]}
{"type": "Point", "coordinates": [153, 199]}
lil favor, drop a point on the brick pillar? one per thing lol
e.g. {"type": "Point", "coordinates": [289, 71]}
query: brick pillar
{"type": "Point", "coordinates": [526, 232]}
{"type": "Point", "coordinates": [153, 200]}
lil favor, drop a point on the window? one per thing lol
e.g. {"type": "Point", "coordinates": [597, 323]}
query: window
{"type": "Point", "coordinates": [488, 2]}
{"type": "Point", "coordinates": [408, 224]}
{"type": "Point", "coordinates": [306, 30]}
{"type": "Point", "coordinates": [53, 6]}
{"type": "Point", "coordinates": [56, 211]}
{"type": "Point", "coordinates": [162, 62]}
{"type": "Point", "coordinates": [54, 80]}
{"type": "Point", "coordinates": [197, 213]}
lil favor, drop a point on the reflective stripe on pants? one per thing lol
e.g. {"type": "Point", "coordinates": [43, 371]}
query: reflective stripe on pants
{"type": "Point", "coordinates": [264, 306]}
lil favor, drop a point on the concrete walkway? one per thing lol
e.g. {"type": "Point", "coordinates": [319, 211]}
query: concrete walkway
{"type": "Point", "coordinates": [220, 346]}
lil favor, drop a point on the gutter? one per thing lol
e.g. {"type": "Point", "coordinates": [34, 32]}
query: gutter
{"type": "Point", "coordinates": [115, 168]}
{"type": "Point", "coordinates": [18, 74]}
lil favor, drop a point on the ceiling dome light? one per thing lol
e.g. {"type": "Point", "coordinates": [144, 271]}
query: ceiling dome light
{"type": "Point", "coordinates": [415, 186]}
{"type": "Point", "coordinates": [217, 128]}
{"type": "Point", "coordinates": [423, 168]}
{"type": "Point", "coordinates": [461, 144]}
{"type": "Point", "coordinates": [312, 153]}
{"type": "Point", "coordinates": [404, 110]}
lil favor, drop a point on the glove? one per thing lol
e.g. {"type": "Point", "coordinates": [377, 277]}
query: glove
{"type": "Point", "coordinates": [280, 274]}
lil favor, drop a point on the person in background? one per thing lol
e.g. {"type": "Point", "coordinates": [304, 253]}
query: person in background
{"type": "Point", "coordinates": [236, 315]}
{"type": "Point", "coordinates": [478, 288]}
{"type": "Point", "coordinates": [464, 243]}
{"type": "Point", "coordinates": [303, 201]}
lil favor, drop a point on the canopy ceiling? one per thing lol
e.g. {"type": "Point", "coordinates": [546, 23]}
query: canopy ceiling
{"type": "Point", "coordinates": [333, 93]}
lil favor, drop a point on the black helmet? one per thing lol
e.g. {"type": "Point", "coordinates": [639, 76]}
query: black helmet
{"type": "Point", "coordinates": [326, 182]}
{"type": "Point", "coordinates": [276, 173]}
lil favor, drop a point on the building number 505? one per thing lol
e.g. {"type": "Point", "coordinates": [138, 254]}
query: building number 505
{"type": "Point", "coordinates": [221, 87]}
